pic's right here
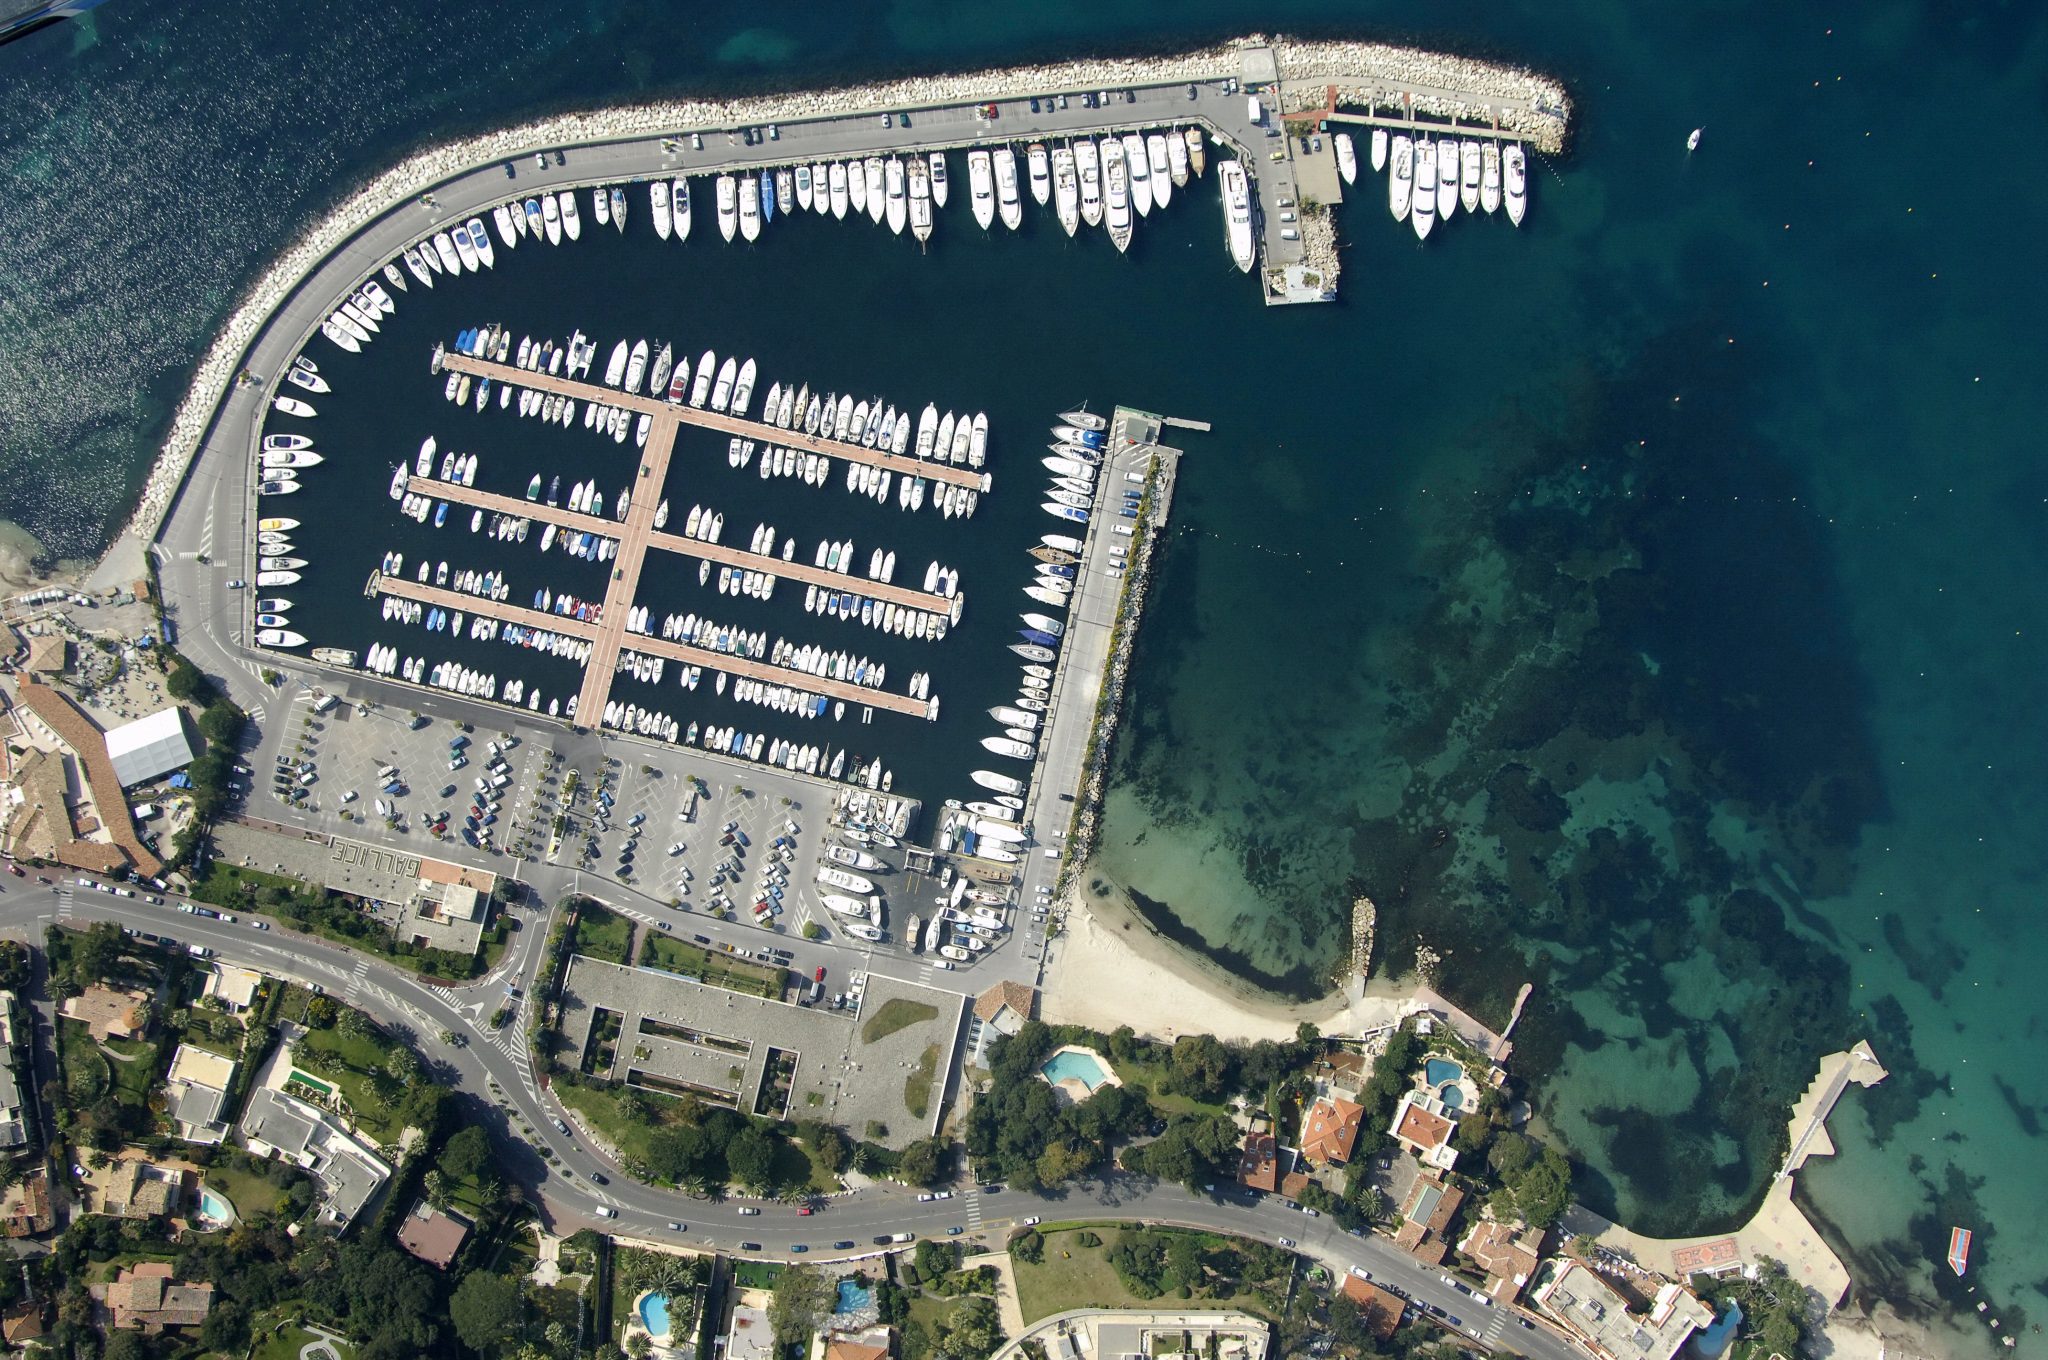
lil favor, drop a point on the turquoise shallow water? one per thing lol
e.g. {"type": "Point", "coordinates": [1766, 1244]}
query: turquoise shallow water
{"type": "Point", "coordinates": [1642, 603]}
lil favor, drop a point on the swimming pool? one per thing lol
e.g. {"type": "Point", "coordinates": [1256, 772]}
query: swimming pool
{"type": "Point", "coordinates": [1076, 1064]}
{"type": "Point", "coordinates": [852, 1298]}
{"type": "Point", "coordinates": [654, 1315]}
{"type": "Point", "coordinates": [214, 1208]}
{"type": "Point", "coordinates": [1437, 1071]}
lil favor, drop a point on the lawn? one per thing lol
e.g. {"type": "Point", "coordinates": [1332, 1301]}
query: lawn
{"type": "Point", "coordinates": [917, 1087]}
{"type": "Point", "coordinates": [602, 934]}
{"type": "Point", "coordinates": [1074, 1276]}
{"type": "Point", "coordinates": [86, 1069]}
{"type": "Point", "coordinates": [896, 1013]}
{"type": "Point", "coordinates": [127, 1067]}
{"type": "Point", "coordinates": [604, 1109]}
{"type": "Point", "coordinates": [756, 1274]}
{"type": "Point", "coordinates": [1152, 1076]}
{"type": "Point", "coordinates": [286, 1342]}
{"type": "Point", "coordinates": [252, 1193]}
{"type": "Point", "coordinates": [719, 970]}
{"type": "Point", "coordinates": [363, 1054]}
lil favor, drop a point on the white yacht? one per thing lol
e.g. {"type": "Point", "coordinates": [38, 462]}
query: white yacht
{"type": "Point", "coordinates": [1379, 149]}
{"type": "Point", "coordinates": [1118, 193]}
{"type": "Point", "coordinates": [897, 187]}
{"type": "Point", "coordinates": [938, 159]}
{"type": "Point", "coordinates": [1040, 171]}
{"type": "Point", "coordinates": [728, 206]}
{"type": "Point", "coordinates": [679, 206]}
{"type": "Point", "coordinates": [1515, 177]}
{"type": "Point", "coordinates": [1237, 214]}
{"type": "Point", "coordinates": [1469, 175]}
{"type": "Point", "coordinates": [1137, 173]}
{"type": "Point", "coordinates": [658, 201]}
{"type": "Point", "coordinates": [750, 214]}
{"type": "Point", "coordinates": [1422, 212]}
{"type": "Point", "coordinates": [1347, 158]}
{"type": "Point", "coordinates": [872, 175]}
{"type": "Point", "coordinates": [1088, 171]}
{"type": "Point", "coordinates": [1489, 177]}
{"type": "Point", "coordinates": [1401, 179]}
{"type": "Point", "coordinates": [981, 188]}
{"type": "Point", "coordinates": [1007, 201]}
{"type": "Point", "coordinates": [1161, 169]}
{"type": "Point", "coordinates": [920, 200]}
{"type": "Point", "coordinates": [1066, 189]}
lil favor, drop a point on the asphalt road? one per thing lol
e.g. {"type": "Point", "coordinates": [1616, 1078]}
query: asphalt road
{"type": "Point", "coordinates": [491, 1073]}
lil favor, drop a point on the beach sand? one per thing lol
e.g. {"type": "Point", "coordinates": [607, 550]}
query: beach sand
{"type": "Point", "coordinates": [1112, 969]}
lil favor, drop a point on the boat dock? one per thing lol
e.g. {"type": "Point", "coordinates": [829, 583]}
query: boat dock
{"type": "Point", "coordinates": [903, 465]}
{"type": "Point", "coordinates": [907, 597]}
{"type": "Point", "coordinates": [456, 601]}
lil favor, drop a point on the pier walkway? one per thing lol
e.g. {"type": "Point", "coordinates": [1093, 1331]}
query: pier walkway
{"type": "Point", "coordinates": [745, 667]}
{"type": "Point", "coordinates": [903, 465]}
{"type": "Point", "coordinates": [906, 597]}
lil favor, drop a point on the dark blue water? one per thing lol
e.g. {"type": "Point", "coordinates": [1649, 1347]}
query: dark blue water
{"type": "Point", "coordinates": [1643, 603]}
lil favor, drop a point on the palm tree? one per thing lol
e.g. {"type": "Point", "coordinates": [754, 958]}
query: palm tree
{"type": "Point", "coordinates": [435, 1186]}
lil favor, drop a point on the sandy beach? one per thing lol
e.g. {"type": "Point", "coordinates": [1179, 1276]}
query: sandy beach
{"type": "Point", "coordinates": [1110, 968]}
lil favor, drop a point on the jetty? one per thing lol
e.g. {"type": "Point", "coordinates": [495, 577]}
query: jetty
{"type": "Point", "coordinates": [903, 465]}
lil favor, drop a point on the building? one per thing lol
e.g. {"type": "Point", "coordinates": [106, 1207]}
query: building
{"type": "Point", "coordinates": [149, 748]}
{"type": "Point", "coordinates": [1592, 1310]}
{"type": "Point", "coordinates": [145, 1298]}
{"type": "Point", "coordinates": [1006, 1006]}
{"type": "Point", "coordinates": [109, 1012]}
{"type": "Point", "coordinates": [1509, 1254]}
{"type": "Point", "coordinates": [1426, 1217]}
{"type": "Point", "coordinates": [48, 717]}
{"type": "Point", "coordinates": [48, 654]}
{"type": "Point", "coordinates": [23, 1323]}
{"type": "Point", "coordinates": [751, 1336]}
{"type": "Point", "coordinates": [1424, 1125]}
{"type": "Point", "coordinates": [1265, 1166]}
{"type": "Point", "coordinates": [236, 987]}
{"type": "Point", "coordinates": [1330, 1131]}
{"type": "Point", "coordinates": [25, 1205]}
{"type": "Point", "coordinates": [135, 1189]}
{"type": "Point", "coordinates": [1382, 1312]}
{"type": "Point", "coordinates": [1342, 1071]}
{"type": "Point", "coordinates": [13, 1123]}
{"type": "Point", "coordinates": [448, 906]}
{"type": "Point", "coordinates": [277, 1125]}
{"type": "Point", "coordinates": [872, 1344]}
{"type": "Point", "coordinates": [433, 1235]}
{"type": "Point", "coordinates": [197, 1093]}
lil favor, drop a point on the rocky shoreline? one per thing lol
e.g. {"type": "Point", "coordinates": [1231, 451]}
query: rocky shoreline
{"type": "Point", "coordinates": [1360, 67]}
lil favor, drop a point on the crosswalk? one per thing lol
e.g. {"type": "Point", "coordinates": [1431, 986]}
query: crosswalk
{"type": "Point", "coordinates": [973, 1198]}
{"type": "Point", "coordinates": [206, 534]}
{"type": "Point", "coordinates": [66, 907]}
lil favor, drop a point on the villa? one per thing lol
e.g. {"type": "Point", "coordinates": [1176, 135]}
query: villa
{"type": "Point", "coordinates": [235, 987]}
{"type": "Point", "coordinates": [277, 1125]}
{"type": "Point", "coordinates": [1598, 1315]}
{"type": "Point", "coordinates": [433, 1235]}
{"type": "Point", "coordinates": [197, 1089]}
{"type": "Point", "coordinates": [1424, 1124]}
{"type": "Point", "coordinates": [145, 1298]}
{"type": "Point", "coordinates": [1509, 1253]}
{"type": "Point", "coordinates": [109, 1012]}
{"type": "Point", "coordinates": [1329, 1133]}
{"type": "Point", "coordinates": [1265, 1166]}
{"type": "Point", "coordinates": [1426, 1216]}
{"type": "Point", "coordinates": [135, 1189]}
{"type": "Point", "coordinates": [1381, 1311]}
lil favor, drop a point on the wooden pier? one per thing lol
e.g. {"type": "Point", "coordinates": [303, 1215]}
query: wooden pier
{"type": "Point", "coordinates": [903, 465]}
{"type": "Point", "coordinates": [738, 558]}
{"type": "Point", "coordinates": [747, 667]}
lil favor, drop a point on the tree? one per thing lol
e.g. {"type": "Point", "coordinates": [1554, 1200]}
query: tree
{"type": "Point", "coordinates": [919, 1164]}
{"type": "Point", "coordinates": [832, 1150]}
{"type": "Point", "coordinates": [751, 1158]}
{"type": "Point", "coordinates": [403, 1065]}
{"type": "Point", "coordinates": [353, 1024]}
{"type": "Point", "coordinates": [1544, 1190]}
{"type": "Point", "coordinates": [802, 1298]}
{"type": "Point", "coordinates": [467, 1154]}
{"type": "Point", "coordinates": [1029, 1248]}
{"type": "Point", "coordinates": [1202, 1067]}
{"type": "Point", "coordinates": [1061, 1162]}
{"type": "Point", "coordinates": [639, 1346]}
{"type": "Point", "coordinates": [96, 953]}
{"type": "Point", "coordinates": [485, 1309]}
{"type": "Point", "coordinates": [973, 1331]}
{"type": "Point", "coordinates": [125, 1345]}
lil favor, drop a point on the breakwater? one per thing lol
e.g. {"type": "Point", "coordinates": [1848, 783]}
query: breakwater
{"type": "Point", "coordinates": [1516, 100]}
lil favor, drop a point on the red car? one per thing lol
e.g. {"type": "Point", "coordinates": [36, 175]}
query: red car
{"type": "Point", "coordinates": [804, 1212]}
{"type": "Point", "coordinates": [819, 976]}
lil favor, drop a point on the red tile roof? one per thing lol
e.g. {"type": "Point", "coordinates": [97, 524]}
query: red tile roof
{"type": "Point", "coordinates": [1382, 1310]}
{"type": "Point", "coordinates": [1258, 1166]}
{"type": "Point", "coordinates": [1331, 1130]}
{"type": "Point", "coordinates": [1421, 1128]}
{"type": "Point", "coordinates": [89, 746]}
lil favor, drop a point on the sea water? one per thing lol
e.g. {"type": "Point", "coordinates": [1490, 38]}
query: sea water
{"type": "Point", "coordinates": [1641, 604]}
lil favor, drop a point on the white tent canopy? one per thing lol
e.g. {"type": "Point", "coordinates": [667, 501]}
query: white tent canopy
{"type": "Point", "coordinates": [149, 747]}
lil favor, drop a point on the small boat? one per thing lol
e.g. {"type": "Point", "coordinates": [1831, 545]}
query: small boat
{"type": "Point", "coordinates": [276, 526]}
{"type": "Point", "coordinates": [658, 201]}
{"type": "Point", "coordinates": [872, 174]}
{"type": "Point", "coordinates": [1176, 159]}
{"type": "Point", "coordinates": [1692, 144]}
{"type": "Point", "coordinates": [572, 225]}
{"type": "Point", "coordinates": [1009, 746]}
{"type": "Point", "coordinates": [1347, 158]}
{"type": "Point", "coordinates": [1198, 159]}
{"type": "Point", "coordinates": [1958, 1238]}
{"type": "Point", "coordinates": [750, 213]}
{"type": "Point", "coordinates": [1379, 150]}
{"type": "Point", "coordinates": [836, 187]}
{"type": "Point", "coordinates": [286, 443]}
{"type": "Point", "coordinates": [1447, 172]}
{"type": "Point", "coordinates": [938, 165]}
{"type": "Point", "coordinates": [600, 207]}
{"type": "Point", "coordinates": [1422, 211]}
{"type": "Point", "coordinates": [618, 197]}
{"type": "Point", "coordinates": [1515, 176]}
{"type": "Point", "coordinates": [803, 187]}
{"type": "Point", "coordinates": [292, 406]}
{"type": "Point", "coordinates": [1489, 177]}
{"type": "Point", "coordinates": [551, 218]}
{"type": "Point", "coordinates": [279, 637]}
{"type": "Point", "coordinates": [1469, 163]}
{"type": "Point", "coordinates": [1038, 169]}
{"type": "Point", "coordinates": [679, 207]}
